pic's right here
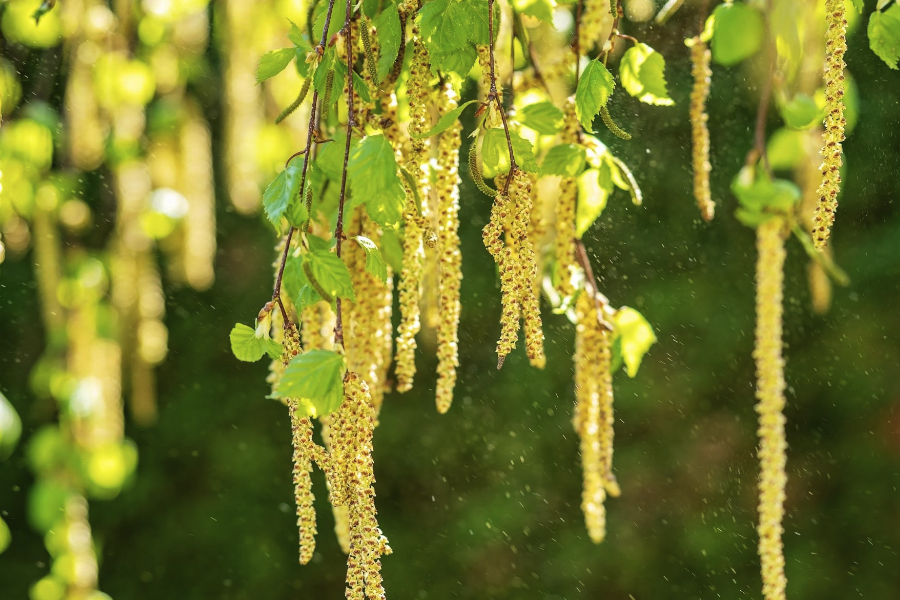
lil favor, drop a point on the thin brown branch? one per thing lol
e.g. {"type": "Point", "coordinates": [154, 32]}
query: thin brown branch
{"type": "Point", "coordinates": [339, 228]}
{"type": "Point", "coordinates": [599, 299]}
{"type": "Point", "coordinates": [493, 96]}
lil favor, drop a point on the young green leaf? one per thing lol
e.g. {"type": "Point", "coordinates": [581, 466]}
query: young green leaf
{"type": "Point", "coordinates": [281, 194]}
{"type": "Point", "coordinates": [785, 149]}
{"type": "Point", "coordinates": [445, 122]}
{"type": "Point", "coordinates": [306, 297]}
{"type": "Point", "coordinates": [10, 430]}
{"type": "Point", "coordinates": [594, 188]}
{"type": "Point", "coordinates": [446, 24]}
{"type": "Point", "coordinates": [317, 376]}
{"type": "Point", "coordinates": [296, 36]}
{"type": "Point", "coordinates": [737, 32]}
{"type": "Point", "coordinates": [543, 117]}
{"type": "Point", "coordinates": [884, 35]}
{"type": "Point", "coordinates": [272, 63]}
{"type": "Point", "coordinates": [565, 160]}
{"type": "Point", "coordinates": [458, 60]}
{"type": "Point", "coordinates": [374, 262]}
{"type": "Point", "coordinates": [388, 26]}
{"type": "Point", "coordinates": [594, 89]}
{"type": "Point", "coordinates": [539, 9]}
{"type": "Point", "coordinates": [374, 180]}
{"type": "Point", "coordinates": [636, 337]}
{"type": "Point", "coordinates": [756, 192]}
{"type": "Point", "coordinates": [624, 179]}
{"type": "Point", "coordinates": [331, 274]}
{"type": "Point", "coordinates": [642, 70]}
{"type": "Point", "coordinates": [495, 151]}
{"type": "Point", "coordinates": [246, 346]}
{"type": "Point", "coordinates": [800, 112]}
{"type": "Point", "coordinates": [320, 77]}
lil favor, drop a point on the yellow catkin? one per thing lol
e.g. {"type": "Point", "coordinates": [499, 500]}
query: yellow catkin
{"type": "Point", "coordinates": [596, 21]}
{"type": "Point", "coordinates": [341, 513]}
{"type": "Point", "coordinates": [593, 419]}
{"type": "Point", "coordinates": [564, 246]}
{"type": "Point", "coordinates": [367, 543]}
{"type": "Point", "coordinates": [520, 195]}
{"type": "Point", "coordinates": [770, 393]}
{"type": "Point", "coordinates": [450, 258]}
{"type": "Point", "coordinates": [700, 57]}
{"type": "Point", "coordinates": [507, 263]}
{"type": "Point", "coordinates": [484, 61]}
{"type": "Point", "coordinates": [833, 135]}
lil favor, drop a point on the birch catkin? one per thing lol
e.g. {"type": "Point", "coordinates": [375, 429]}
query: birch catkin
{"type": "Point", "coordinates": [507, 264]}
{"type": "Point", "coordinates": [700, 57]}
{"type": "Point", "coordinates": [450, 258]}
{"type": "Point", "coordinates": [520, 195]}
{"type": "Point", "coordinates": [564, 246]}
{"type": "Point", "coordinates": [770, 393]}
{"type": "Point", "coordinates": [833, 135]}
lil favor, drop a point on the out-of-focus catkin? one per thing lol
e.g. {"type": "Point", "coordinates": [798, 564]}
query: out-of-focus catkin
{"type": "Point", "coordinates": [596, 19]}
{"type": "Point", "coordinates": [520, 191]}
{"type": "Point", "coordinates": [564, 246]}
{"type": "Point", "coordinates": [593, 419]}
{"type": "Point", "coordinates": [484, 61]}
{"type": "Point", "coordinates": [450, 258]}
{"type": "Point", "coordinates": [833, 134]}
{"type": "Point", "coordinates": [770, 393]}
{"type": "Point", "coordinates": [700, 57]}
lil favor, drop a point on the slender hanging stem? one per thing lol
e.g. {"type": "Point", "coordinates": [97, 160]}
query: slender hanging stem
{"type": "Point", "coordinates": [493, 97]}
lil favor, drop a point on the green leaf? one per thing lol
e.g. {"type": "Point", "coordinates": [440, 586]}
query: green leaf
{"type": "Point", "coordinates": [392, 250]}
{"type": "Point", "coordinates": [495, 151]}
{"type": "Point", "coordinates": [248, 347]}
{"type": "Point", "coordinates": [642, 71]}
{"type": "Point", "coordinates": [317, 376]}
{"type": "Point", "coordinates": [320, 77]}
{"type": "Point", "coordinates": [737, 33]}
{"type": "Point", "coordinates": [539, 9]}
{"type": "Point", "coordinates": [543, 117]}
{"type": "Point", "coordinates": [374, 262]}
{"type": "Point", "coordinates": [306, 297]}
{"type": "Point", "coordinates": [331, 274]}
{"type": "Point", "coordinates": [619, 171]}
{"type": "Point", "coordinates": [10, 428]}
{"type": "Point", "coordinates": [594, 89]}
{"type": "Point", "coordinates": [374, 180]}
{"type": "Point", "coordinates": [565, 160]}
{"type": "Point", "coordinates": [272, 63]}
{"type": "Point", "coordinates": [446, 24]}
{"type": "Point", "coordinates": [758, 193]}
{"type": "Point", "coordinates": [445, 122]}
{"type": "Point", "coordinates": [296, 36]}
{"type": "Point", "coordinates": [388, 26]}
{"type": "Point", "coordinates": [594, 188]}
{"type": "Point", "coordinates": [336, 24]}
{"type": "Point", "coordinates": [859, 4]}
{"type": "Point", "coordinates": [800, 112]}
{"type": "Point", "coordinates": [284, 194]}
{"type": "Point", "coordinates": [360, 87]}
{"type": "Point", "coordinates": [884, 35]}
{"type": "Point", "coordinates": [785, 149]}
{"type": "Point", "coordinates": [636, 337]}
{"type": "Point", "coordinates": [478, 14]}
{"type": "Point", "coordinates": [294, 278]}
{"type": "Point", "coordinates": [459, 60]}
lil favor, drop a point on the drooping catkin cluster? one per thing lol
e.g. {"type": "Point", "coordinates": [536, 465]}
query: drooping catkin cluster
{"type": "Point", "coordinates": [449, 256]}
{"type": "Point", "coordinates": [700, 58]}
{"type": "Point", "coordinates": [354, 486]}
{"type": "Point", "coordinates": [520, 190]}
{"type": "Point", "coordinates": [593, 419]}
{"type": "Point", "coordinates": [770, 393]}
{"type": "Point", "coordinates": [415, 221]}
{"type": "Point", "coordinates": [564, 246]}
{"type": "Point", "coordinates": [833, 135]}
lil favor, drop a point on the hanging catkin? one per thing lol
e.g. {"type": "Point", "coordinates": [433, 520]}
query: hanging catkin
{"type": "Point", "coordinates": [770, 393]}
{"type": "Point", "coordinates": [413, 250]}
{"type": "Point", "coordinates": [833, 135]}
{"type": "Point", "coordinates": [450, 258]}
{"type": "Point", "coordinates": [564, 247]}
{"type": "Point", "coordinates": [593, 420]}
{"type": "Point", "coordinates": [507, 264]}
{"type": "Point", "coordinates": [700, 57]}
{"type": "Point", "coordinates": [520, 191]}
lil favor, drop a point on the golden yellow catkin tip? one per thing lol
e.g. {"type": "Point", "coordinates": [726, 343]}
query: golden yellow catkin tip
{"type": "Point", "coordinates": [770, 393]}
{"type": "Point", "coordinates": [833, 134]}
{"type": "Point", "coordinates": [593, 420]}
{"type": "Point", "coordinates": [508, 265]}
{"type": "Point", "coordinates": [700, 57]}
{"type": "Point", "coordinates": [449, 256]}
{"type": "Point", "coordinates": [306, 514]}
{"type": "Point", "coordinates": [520, 195]}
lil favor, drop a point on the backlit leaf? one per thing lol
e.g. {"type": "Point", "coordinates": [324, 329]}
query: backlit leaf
{"type": "Point", "coordinates": [635, 335]}
{"type": "Point", "coordinates": [374, 262]}
{"type": "Point", "coordinates": [642, 71]}
{"type": "Point", "coordinates": [316, 376]}
{"type": "Point", "coordinates": [595, 87]}
{"type": "Point", "coordinates": [565, 160]}
{"type": "Point", "coordinates": [737, 33]}
{"type": "Point", "coordinates": [543, 117]}
{"type": "Point", "coordinates": [272, 63]}
{"type": "Point", "coordinates": [246, 346]}
{"type": "Point", "coordinates": [388, 27]}
{"type": "Point", "coordinates": [884, 35]}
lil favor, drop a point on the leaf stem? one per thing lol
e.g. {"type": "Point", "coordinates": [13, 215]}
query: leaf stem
{"type": "Point", "coordinates": [493, 97]}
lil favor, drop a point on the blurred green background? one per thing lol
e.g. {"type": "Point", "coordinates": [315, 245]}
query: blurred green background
{"type": "Point", "coordinates": [484, 501]}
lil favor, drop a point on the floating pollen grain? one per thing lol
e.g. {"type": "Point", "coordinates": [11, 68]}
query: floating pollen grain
{"type": "Point", "coordinates": [770, 393]}
{"type": "Point", "coordinates": [700, 57]}
{"type": "Point", "coordinates": [833, 134]}
{"type": "Point", "coordinates": [520, 193]}
{"type": "Point", "coordinates": [450, 258]}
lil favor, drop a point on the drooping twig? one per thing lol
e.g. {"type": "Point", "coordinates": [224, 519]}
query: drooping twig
{"type": "Point", "coordinates": [276, 294]}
